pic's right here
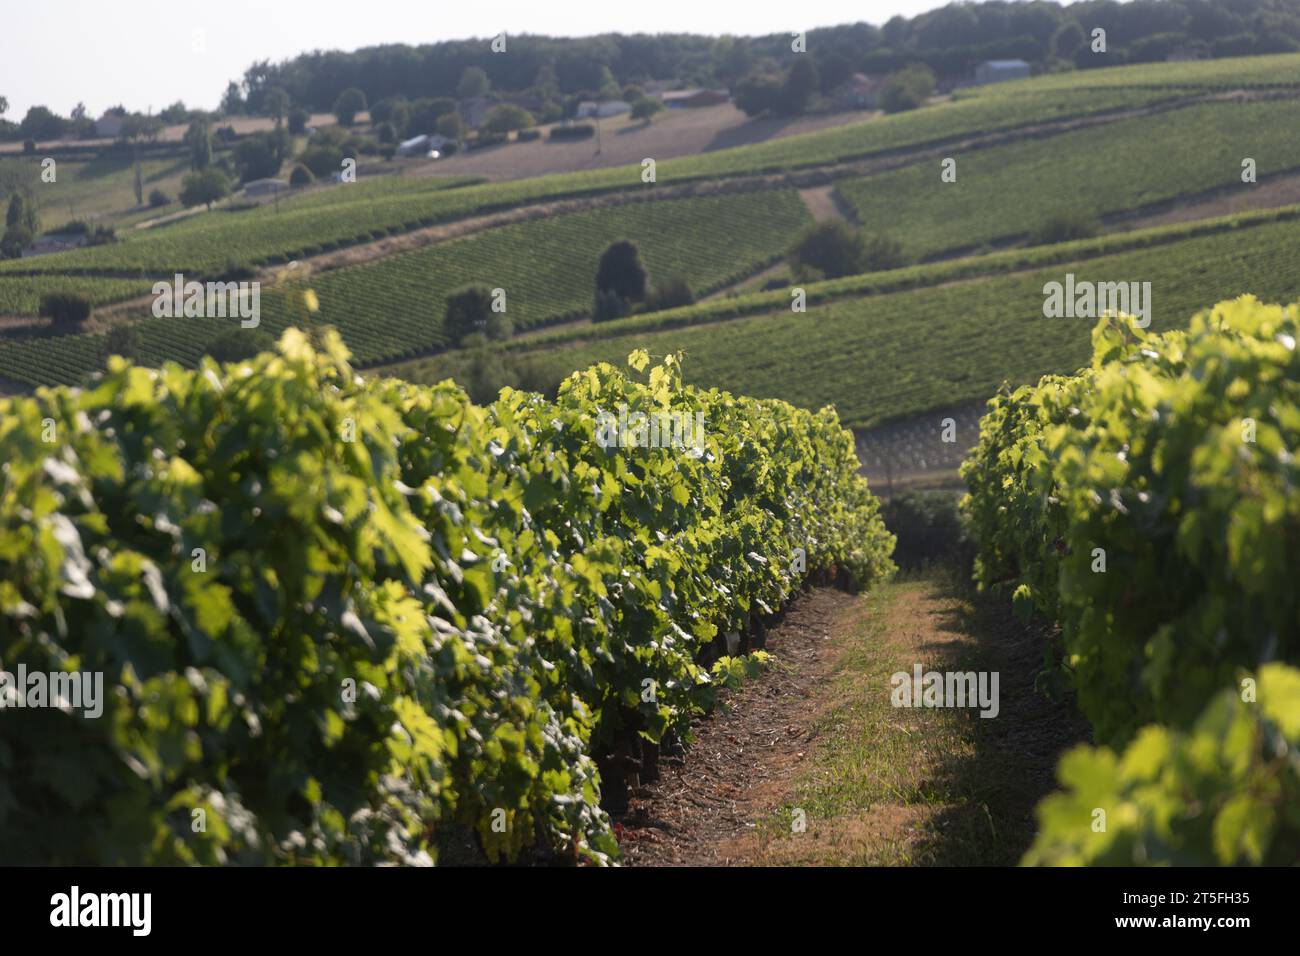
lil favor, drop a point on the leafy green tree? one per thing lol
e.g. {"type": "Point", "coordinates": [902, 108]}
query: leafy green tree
{"type": "Point", "coordinates": [507, 117]}
{"type": "Point", "coordinates": [232, 102]}
{"type": "Point", "coordinates": [546, 84]}
{"type": "Point", "coordinates": [668, 293]}
{"type": "Point", "coordinates": [66, 309]}
{"type": "Point", "coordinates": [204, 186]}
{"type": "Point", "coordinates": [473, 82]}
{"type": "Point", "coordinates": [1065, 227]}
{"type": "Point", "coordinates": [621, 273]}
{"type": "Point", "coordinates": [609, 305]}
{"type": "Point", "coordinates": [322, 159]}
{"type": "Point", "coordinates": [799, 85]}
{"type": "Point", "coordinates": [276, 104]}
{"type": "Point", "coordinates": [468, 311]}
{"type": "Point", "coordinates": [645, 108]}
{"type": "Point", "coordinates": [136, 128]}
{"type": "Point", "coordinates": [833, 70]}
{"type": "Point", "coordinates": [882, 252]}
{"type": "Point", "coordinates": [758, 94]}
{"type": "Point", "coordinates": [425, 114]}
{"type": "Point", "coordinates": [238, 345]}
{"type": "Point", "coordinates": [41, 123]}
{"type": "Point", "coordinates": [260, 156]}
{"type": "Point", "coordinates": [827, 250]}
{"type": "Point", "coordinates": [349, 103]}
{"type": "Point", "coordinates": [298, 118]}
{"type": "Point", "coordinates": [1068, 39]}
{"type": "Point", "coordinates": [907, 89]}
{"type": "Point", "coordinates": [199, 139]}
{"type": "Point", "coordinates": [173, 115]}
{"type": "Point", "coordinates": [451, 126]}
{"type": "Point", "coordinates": [21, 226]}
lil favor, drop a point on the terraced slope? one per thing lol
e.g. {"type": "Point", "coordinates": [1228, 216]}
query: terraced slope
{"type": "Point", "coordinates": [207, 243]}
{"type": "Point", "coordinates": [1009, 191]}
{"type": "Point", "coordinates": [393, 307]}
{"type": "Point", "coordinates": [881, 357]}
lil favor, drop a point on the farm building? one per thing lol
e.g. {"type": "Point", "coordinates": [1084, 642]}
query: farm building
{"type": "Point", "coordinates": [999, 71]}
{"type": "Point", "coordinates": [423, 145]}
{"type": "Point", "coordinates": [859, 93]}
{"type": "Point", "coordinates": [589, 108]}
{"type": "Point", "coordinates": [689, 99]}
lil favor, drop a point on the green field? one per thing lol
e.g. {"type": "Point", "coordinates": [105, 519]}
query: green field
{"type": "Point", "coordinates": [90, 188]}
{"type": "Point", "coordinates": [393, 307]}
{"type": "Point", "coordinates": [1124, 166]}
{"type": "Point", "coordinates": [22, 296]}
{"type": "Point", "coordinates": [887, 356]}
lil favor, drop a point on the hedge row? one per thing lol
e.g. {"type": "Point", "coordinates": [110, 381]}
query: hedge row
{"type": "Point", "coordinates": [1150, 505]}
{"type": "Point", "coordinates": [335, 616]}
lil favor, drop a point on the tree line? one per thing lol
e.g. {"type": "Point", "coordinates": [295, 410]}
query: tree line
{"type": "Point", "coordinates": [950, 41]}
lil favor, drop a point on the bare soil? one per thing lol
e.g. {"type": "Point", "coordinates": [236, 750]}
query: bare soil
{"type": "Point", "coordinates": [673, 133]}
{"type": "Point", "coordinates": [1279, 191]}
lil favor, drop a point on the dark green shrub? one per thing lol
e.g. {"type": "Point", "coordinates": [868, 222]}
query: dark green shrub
{"type": "Point", "coordinates": [237, 345]}
{"type": "Point", "coordinates": [571, 132]}
{"type": "Point", "coordinates": [827, 250]}
{"type": "Point", "coordinates": [668, 293]}
{"type": "Point", "coordinates": [468, 309]}
{"type": "Point", "coordinates": [882, 252]}
{"type": "Point", "coordinates": [621, 271]}
{"type": "Point", "coordinates": [609, 305]}
{"type": "Point", "coordinates": [1065, 227]}
{"type": "Point", "coordinates": [69, 309]}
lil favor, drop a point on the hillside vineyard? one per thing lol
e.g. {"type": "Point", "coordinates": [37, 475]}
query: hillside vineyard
{"type": "Point", "coordinates": [864, 445]}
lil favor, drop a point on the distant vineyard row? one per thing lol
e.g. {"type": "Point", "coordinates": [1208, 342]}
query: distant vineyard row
{"type": "Point", "coordinates": [1011, 191]}
{"type": "Point", "coordinates": [883, 356]}
{"type": "Point", "coordinates": [393, 307]}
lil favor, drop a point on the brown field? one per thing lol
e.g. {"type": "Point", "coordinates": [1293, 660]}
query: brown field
{"type": "Point", "coordinates": [623, 141]}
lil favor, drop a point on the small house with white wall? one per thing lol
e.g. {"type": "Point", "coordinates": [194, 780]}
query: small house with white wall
{"type": "Point", "coordinates": [999, 71]}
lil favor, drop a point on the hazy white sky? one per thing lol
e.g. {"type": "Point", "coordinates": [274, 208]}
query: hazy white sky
{"type": "Point", "coordinates": [149, 53]}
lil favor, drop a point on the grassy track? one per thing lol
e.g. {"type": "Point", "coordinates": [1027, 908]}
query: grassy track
{"type": "Point", "coordinates": [871, 783]}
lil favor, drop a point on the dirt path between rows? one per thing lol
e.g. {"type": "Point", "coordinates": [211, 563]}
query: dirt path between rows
{"type": "Point", "coordinates": [875, 784]}
{"type": "Point", "coordinates": [821, 203]}
{"type": "Point", "coordinates": [737, 768]}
